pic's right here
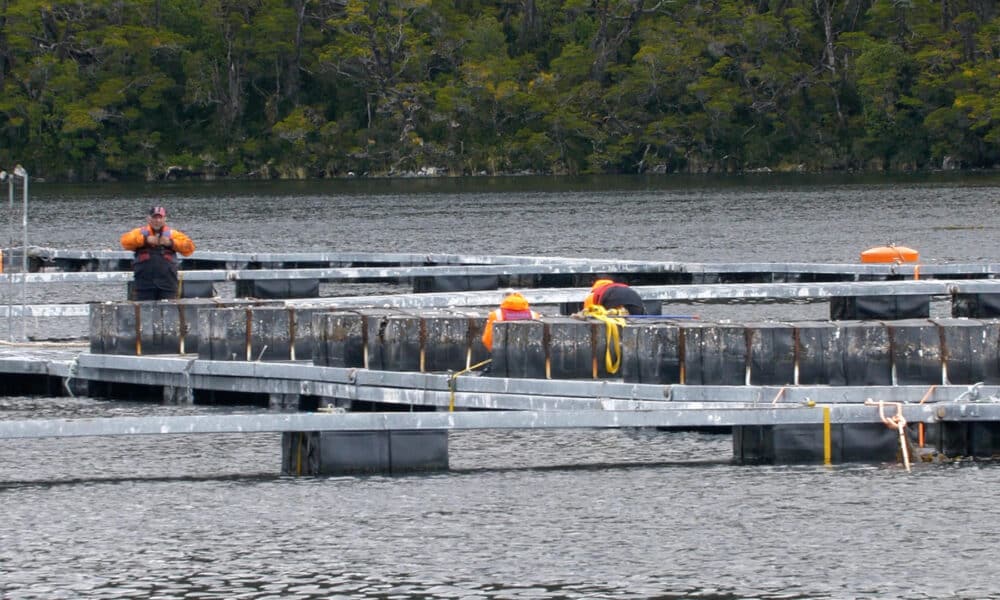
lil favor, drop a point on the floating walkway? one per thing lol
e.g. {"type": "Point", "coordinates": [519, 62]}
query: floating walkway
{"type": "Point", "coordinates": [52, 259]}
{"type": "Point", "coordinates": [769, 424]}
{"type": "Point", "coordinates": [878, 381]}
{"type": "Point", "coordinates": [900, 299]}
{"type": "Point", "coordinates": [658, 350]}
{"type": "Point", "coordinates": [853, 291]}
{"type": "Point", "coordinates": [443, 272]}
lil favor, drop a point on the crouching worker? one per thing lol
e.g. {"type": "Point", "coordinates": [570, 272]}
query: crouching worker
{"type": "Point", "coordinates": [612, 295]}
{"type": "Point", "coordinates": [514, 307]}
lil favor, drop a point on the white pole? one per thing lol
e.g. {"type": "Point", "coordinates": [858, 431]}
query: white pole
{"type": "Point", "coordinates": [20, 172]}
{"type": "Point", "coordinates": [9, 290]}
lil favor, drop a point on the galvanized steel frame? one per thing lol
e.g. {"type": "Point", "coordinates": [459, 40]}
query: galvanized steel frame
{"type": "Point", "coordinates": [440, 389]}
{"type": "Point", "coordinates": [516, 403]}
{"type": "Point", "coordinates": [441, 421]}
{"type": "Point", "coordinates": [667, 293]}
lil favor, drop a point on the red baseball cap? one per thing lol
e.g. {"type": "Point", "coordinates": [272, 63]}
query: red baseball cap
{"type": "Point", "coordinates": [157, 210]}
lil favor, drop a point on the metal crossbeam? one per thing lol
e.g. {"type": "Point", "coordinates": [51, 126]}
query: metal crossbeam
{"type": "Point", "coordinates": [51, 256]}
{"type": "Point", "coordinates": [166, 369]}
{"type": "Point", "coordinates": [440, 421]}
{"type": "Point", "coordinates": [517, 403]}
{"type": "Point", "coordinates": [552, 296]}
{"type": "Point", "coordinates": [435, 388]}
{"type": "Point", "coordinates": [673, 293]}
{"type": "Point", "coordinates": [376, 274]}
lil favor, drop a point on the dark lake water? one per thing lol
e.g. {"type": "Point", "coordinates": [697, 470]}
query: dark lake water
{"type": "Point", "coordinates": [759, 218]}
{"type": "Point", "coordinates": [582, 514]}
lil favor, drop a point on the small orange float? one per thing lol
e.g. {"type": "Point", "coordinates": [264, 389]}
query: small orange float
{"type": "Point", "coordinates": [890, 254]}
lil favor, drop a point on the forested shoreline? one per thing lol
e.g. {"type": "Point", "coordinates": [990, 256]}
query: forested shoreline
{"type": "Point", "coordinates": [296, 89]}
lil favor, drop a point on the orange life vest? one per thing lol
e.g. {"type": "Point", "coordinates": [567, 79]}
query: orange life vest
{"type": "Point", "coordinates": [513, 308]}
{"type": "Point", "coordinates": [142, 254]}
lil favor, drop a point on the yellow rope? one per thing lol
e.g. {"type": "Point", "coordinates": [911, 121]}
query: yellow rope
{"type": "Point", "coordinates": [613, 322]}
{"type": "Point", "coordinates": [452, 381]}
{"type": "Point", "coordinates": [298, 468]}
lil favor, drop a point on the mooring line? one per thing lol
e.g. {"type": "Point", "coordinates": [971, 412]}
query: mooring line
{"type": "Point", "coordinates": [453, 381]}
{"type": "Point", "coordinates": [897, 422]}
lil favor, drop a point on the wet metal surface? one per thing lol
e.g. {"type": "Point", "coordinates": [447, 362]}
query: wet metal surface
{"type": "Point", "coordinates": [667, 417]}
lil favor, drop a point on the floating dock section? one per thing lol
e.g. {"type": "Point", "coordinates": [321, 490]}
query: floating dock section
{"type": "Point", "coordinates": [647, 350]}
{"type": "Point", "coordinates": [795, 391]}
{"type": "Point", "coordinates": [315, 358]}
{"type": "Point", "coordinates": [299, 275]}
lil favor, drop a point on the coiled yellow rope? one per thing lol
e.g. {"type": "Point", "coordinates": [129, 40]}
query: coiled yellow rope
{"type": "Point", "coordinates": [613, 322]}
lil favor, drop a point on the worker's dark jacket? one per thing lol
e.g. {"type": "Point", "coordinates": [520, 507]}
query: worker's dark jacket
{"type": "Point", "coordinates": [619, 295]}
{"type": "Point", "coordinates": [155, 266]}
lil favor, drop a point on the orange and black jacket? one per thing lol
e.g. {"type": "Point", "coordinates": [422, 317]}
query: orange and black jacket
{"type": "Point", "coordinates": [596, 291]}
{"type": "Point", "coordinates": [156, 266]}
{"type": "Point", "coordinates": [513, 308]}
{"type": "Point", "coordinates": [610, 294]}
{"type": "Point", "coordinates": [135, 241]}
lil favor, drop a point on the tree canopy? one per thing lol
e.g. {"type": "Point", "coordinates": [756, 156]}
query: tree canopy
{"type": "Point", "coordinates": [149, 89]}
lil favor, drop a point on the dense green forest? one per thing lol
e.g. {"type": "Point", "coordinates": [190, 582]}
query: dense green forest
{"type": "Point", "coordinates": [156, 89]}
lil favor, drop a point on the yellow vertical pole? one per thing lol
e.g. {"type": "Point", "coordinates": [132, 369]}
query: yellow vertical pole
{"type": "Point", "coordinates": [827, 445]}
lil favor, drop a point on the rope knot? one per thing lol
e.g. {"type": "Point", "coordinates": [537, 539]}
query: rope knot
{"type": "Point", "coordinates": [896, 422]}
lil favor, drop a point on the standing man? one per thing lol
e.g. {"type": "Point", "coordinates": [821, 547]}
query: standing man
{"type": "Point", "coordinates": [155, 264]}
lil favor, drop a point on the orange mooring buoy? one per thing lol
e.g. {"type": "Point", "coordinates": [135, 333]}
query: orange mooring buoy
{"type": "Point", "coordinates": [890, 254]}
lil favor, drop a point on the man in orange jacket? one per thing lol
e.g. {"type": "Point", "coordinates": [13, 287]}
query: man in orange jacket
{"type": "Point", "coordinates": [610, 294]}
{"type": "Point", "coordinates": [155, 264]}
{"type": "Point", "coordinates": [514, 307]}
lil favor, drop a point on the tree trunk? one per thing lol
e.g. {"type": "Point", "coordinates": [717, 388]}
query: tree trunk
{"type": "Point", "coordinates": [825, 10]}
